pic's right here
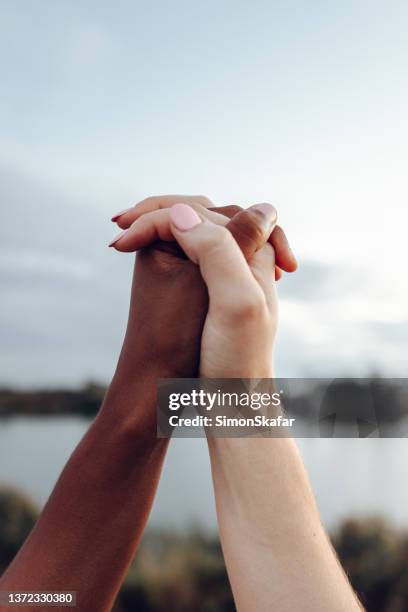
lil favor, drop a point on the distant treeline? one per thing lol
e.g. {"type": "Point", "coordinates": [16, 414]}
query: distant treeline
{"type": "Point", "coordinates": [65, 402]}
{"type": "Point", "coordinates": [363, 400]}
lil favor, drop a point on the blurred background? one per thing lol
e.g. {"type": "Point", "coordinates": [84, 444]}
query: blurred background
{"type": "Point", "coordinates": [301, 104]}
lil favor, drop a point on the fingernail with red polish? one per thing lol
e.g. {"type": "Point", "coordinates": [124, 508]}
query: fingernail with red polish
{"type": "Point", "coordinates": [119, 214]}
{"type": "Point", "coordinates": [118, 237]}
{"type": "Point", "coordinates": [184, 217]}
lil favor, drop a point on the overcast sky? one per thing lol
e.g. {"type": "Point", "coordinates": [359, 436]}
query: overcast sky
{"type": "Point", "coordinates": [302, 104]}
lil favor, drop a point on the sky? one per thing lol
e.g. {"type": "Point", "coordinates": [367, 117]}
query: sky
{"type": "Point", "coordinates": [297, 103]}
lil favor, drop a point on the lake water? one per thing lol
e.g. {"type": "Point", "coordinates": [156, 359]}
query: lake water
{"type": "Point", "coordinates": [355, 477]}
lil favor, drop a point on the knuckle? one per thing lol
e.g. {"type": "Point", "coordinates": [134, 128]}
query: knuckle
{"type": "Point", "coordinates": [247, 229]}
{"type": "Point", "coordinates": [250, 307]}
{"type": "Point", "coordinates": [217, 239]}
{"type": "Point", "coordinates": [159, 201]}
{"type": "Point", "coordinates": [266, 255]}
{"type": "Point", "coordinates": [203, 200]}
{"type": "Point", "coordinates": [151, 202]}
{"type": "Point", "coordinates": [230, 210]}
{"type": "Point", "coordinates": [149, 199]}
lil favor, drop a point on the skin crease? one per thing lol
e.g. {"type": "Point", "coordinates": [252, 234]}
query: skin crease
{"type": "Point", "coordinates": [90, 527]}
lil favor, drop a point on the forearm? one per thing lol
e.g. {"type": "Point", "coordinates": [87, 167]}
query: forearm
{"type": "Point", "coordinates": [88, 532]}
{"type": "Point", "coordinates": [276, 550]}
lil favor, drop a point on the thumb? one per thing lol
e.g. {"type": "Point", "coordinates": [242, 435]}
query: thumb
{"type": "Point", "coordinates": [223, 267]}
{"type": "Point", "coordinates": [252, 227]}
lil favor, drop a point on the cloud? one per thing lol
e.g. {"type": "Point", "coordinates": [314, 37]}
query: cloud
{"type": "Point", "coordinates": [318, 281]}
{"type": "Point", "coordinates": [394, 332]}
{"type": "Point", "coordinates": [65, 298]}
{"type": "Point", "coordinates": [65, 294]}
{"type": "Point", "coordinates": [89, 46]}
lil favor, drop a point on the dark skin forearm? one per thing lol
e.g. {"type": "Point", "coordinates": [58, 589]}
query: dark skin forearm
{"type": "Point", "coordinates": [89, 530]}
{"type": "Point", "coordinates": [90, 527]}
{"type": "Point", "coordinates": [85, 542]}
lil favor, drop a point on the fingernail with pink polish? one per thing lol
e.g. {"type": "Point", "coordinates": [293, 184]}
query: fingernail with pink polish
{"type": "Point", "coordinates": [118, 237]}
{"type": "Point", "coordinates": [184, 217]}
{"type": "Point", "coordinates": [119, 214]}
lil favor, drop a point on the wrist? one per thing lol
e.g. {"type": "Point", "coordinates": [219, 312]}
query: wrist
{"type": "Point", "coordinates": [130, 402]}
{"type": "Point", "coordinates": [141, 355]}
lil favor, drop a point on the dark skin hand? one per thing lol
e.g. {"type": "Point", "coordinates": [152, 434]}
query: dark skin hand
{"type": "Point", "coordinates": [91, 525]}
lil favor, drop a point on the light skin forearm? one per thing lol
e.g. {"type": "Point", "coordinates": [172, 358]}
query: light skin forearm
{"type": "Point", "coordinates": [88, 532]}
{"type": "Point", "coordinates": [277, 552]}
